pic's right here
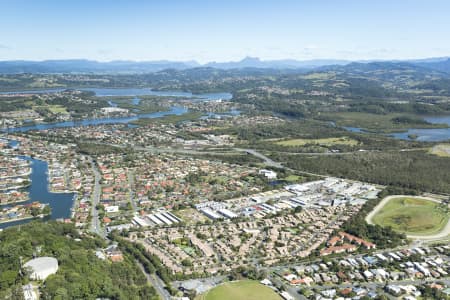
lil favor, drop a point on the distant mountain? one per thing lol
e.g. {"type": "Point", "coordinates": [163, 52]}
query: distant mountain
{"type": "Point", "coordinates": [441, 64]}
{"type": "Point", "coordinates": [89, 66]}
{"type": "Point", "coordinates": [254, 62]}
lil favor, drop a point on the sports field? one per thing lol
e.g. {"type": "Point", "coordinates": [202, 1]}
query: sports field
{"type": "Point", "coordinates": [240, 290]}
{"type": "Point", "coordinates": [412, 215]}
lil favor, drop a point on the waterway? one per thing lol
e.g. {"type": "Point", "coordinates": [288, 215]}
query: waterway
{"type": "Point", "coordinates": [174, 110]}
{"type": "Point", "coordinates": [110, 92]}
{"type": "Point", "coordinates": [427, 135]}
{"type": "Point", "coordinates": [422, 135]}
{"type": "Point", "coordinates": [103, 92]}
{"type": "Point", "coordinates": [61, 203]}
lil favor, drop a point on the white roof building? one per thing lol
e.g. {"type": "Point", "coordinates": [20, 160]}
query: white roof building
{"type": "Point", "coordinates": [42, 267]}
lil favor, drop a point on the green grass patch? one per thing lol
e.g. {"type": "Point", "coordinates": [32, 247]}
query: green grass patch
{"type": "Point", "coordinates": [292, 178]}
{"type": "Point", "coordinates": [56, 109]}
{"type": "Point", "coordinates": [240, 290]}
{"type": "Point", "coordinates": [412, 215]}
{"type": "Point", "coordinates": [325, 142]}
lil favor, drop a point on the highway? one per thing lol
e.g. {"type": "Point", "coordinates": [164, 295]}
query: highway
{"type": "Point", "coordinates": [269, 162]}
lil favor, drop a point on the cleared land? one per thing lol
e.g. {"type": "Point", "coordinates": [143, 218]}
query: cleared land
{"type": "Point", "coordinates": [441, 150]}
{"type": "Point", "coordinates": [326, 142]}
{"type": "Point", "coordinates": [411, 215]}
{"type": "Point", "coordinates": [240, 290]}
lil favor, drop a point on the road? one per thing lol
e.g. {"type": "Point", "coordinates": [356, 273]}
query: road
{"type": "Point", "coordinates": [378, 284]}
{"type": "Point", "coordinates": [269, 162]}
{"type": "Point", "coordinates": [131, 184]}
{"type": "Point", "coordinates": [96, 226]}
{"type": "Point", "coordinates": [445, 232]}
{"type": "Point", "coordinates": [292, 290]}
{"type": "Point", "coordinates": [156, 283]}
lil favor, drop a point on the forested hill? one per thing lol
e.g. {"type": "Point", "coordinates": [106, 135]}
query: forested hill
{"type": "Point", "coordinates": [81, 274]}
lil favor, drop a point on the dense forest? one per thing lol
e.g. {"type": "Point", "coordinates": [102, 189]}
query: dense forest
{"type": "Point", "coordinates": [416, 170]}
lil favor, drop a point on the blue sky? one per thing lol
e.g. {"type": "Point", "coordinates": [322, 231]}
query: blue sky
{"type": "Point", "coordinates": [223, 30]}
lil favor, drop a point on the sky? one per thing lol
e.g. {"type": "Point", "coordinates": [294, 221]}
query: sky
{"type": "Point", "coordinates": [226, 30]}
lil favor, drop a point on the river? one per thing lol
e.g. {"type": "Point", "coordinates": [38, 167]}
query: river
{"type": "Point", "coordinates": [103, 92]}
{"type": "Point", "coordinates": [174, 110]}
{"type": "Point", "coordinates": [111, 92]}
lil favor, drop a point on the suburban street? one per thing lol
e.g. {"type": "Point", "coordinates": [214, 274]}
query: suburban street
{"type": "Point", "coordinates": [154, 281]}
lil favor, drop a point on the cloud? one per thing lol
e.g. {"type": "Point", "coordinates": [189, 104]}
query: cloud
{"type": "Point", "coordinates": [5, 47]}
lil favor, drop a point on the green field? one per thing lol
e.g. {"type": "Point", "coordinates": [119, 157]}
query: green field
{"type": "Point", "coordinates": [412, 215]}
{"type": "Point", "coordinates": [57, 109]}
{"type": "Point", "coordinates": [240, 290]}
{"type": "Point", "coordinates": [326, 142]}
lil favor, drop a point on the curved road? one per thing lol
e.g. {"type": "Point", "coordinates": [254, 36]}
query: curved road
{"type": "Point", "coordinates": [445, 232]}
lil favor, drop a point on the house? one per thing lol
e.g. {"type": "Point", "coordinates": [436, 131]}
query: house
{"type": "Point", "coordinates": [269, 174]}
{"type": "Point", "coordinates": [112, 209]}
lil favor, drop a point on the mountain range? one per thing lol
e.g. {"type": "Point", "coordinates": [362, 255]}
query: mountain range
{"type": "Point", "coordinates": [441, 64]}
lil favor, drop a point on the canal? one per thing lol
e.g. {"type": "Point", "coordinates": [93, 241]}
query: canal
{"type": "Point", "coordinates": [60, 203]}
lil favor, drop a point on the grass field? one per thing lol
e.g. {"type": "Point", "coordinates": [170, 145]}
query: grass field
{"type": "Point", "coordinates": [57, 109]}
{"type": "Point", "coordinates": [53, 108]}
{"type": "Point", "coordinates": [412, 216]}
{"type": "Point", "coordinates": [292, 178]}
{"type": "Point", "coordinates": [326, 142]}
{"type": "Point", "coordinates": [240, 290]}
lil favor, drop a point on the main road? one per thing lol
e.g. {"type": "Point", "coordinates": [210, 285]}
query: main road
{"type": "Point", "coordinates": [96, 226]}
{"type": "Point", "coordinates": [156, 282]}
